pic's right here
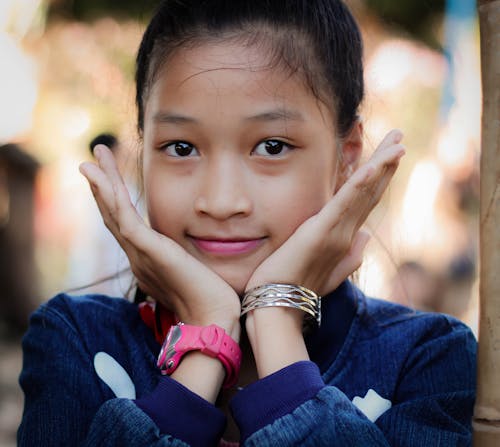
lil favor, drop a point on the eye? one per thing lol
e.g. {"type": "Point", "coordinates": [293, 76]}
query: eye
{"type": "Point", "coordinates": [269, 148]}
{"type": "Point", "coordinates": [180, 149]}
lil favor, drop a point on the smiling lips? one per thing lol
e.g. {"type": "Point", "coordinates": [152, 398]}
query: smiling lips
{"type": "Point", "coordinates": [226, 247]}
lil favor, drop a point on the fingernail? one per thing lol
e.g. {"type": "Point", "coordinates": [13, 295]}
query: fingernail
{"type": "Point", "coordinates": [369, 173]}
{"type": "Point", "coordinates": [81, 168]}
{"type": "Point", "coordinates": [365, 238]}
{"type": "Point", "coordinates": [398, 136]}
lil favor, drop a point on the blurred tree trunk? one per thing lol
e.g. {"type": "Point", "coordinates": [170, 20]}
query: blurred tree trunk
{"type": "Point", "coordinates": [486, 420]}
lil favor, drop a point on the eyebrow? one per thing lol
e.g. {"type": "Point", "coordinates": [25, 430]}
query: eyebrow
{"type": "Point", "coordinates": [277, 115]}
{"type": "Point", "coordinates": [268, 115]}
{"type": "Point", "coordinates": [173, 118]}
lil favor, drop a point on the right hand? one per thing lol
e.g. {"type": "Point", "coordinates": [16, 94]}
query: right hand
{"type": "Point", "coordinates": [331, 242]}
{"type": "Point", "coordinates": [164, 270]}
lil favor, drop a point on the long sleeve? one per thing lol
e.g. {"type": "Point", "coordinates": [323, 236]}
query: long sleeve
{"type": "Point", "coordinates": [328, 418]}
{"type": "Point", "coordinates": [432, 395]}
{"type": "Point", "coordinates": [66, 403]}
{"type": "Point", "coordinates": [190, 410]}
{"type": "Point", "coordinates": [423, 364]}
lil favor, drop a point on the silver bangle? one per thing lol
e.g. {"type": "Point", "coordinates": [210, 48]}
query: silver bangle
{"type": "Point", "coordinates": [283, 295]}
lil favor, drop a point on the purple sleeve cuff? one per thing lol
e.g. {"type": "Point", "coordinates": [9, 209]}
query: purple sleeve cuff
{"type": "Point", "coordinates": [274, 396]}
{"type": "Point", "coordinates": [179, 412]}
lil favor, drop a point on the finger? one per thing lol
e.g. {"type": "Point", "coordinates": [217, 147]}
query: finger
{"type": "Point", "coordinates": [114, 200]}
{"type": "Point", "coordinates": [365, 187]}
{"type": "Point", "coordinates": [388, 153]}
{"type": "Point", "coordinates": [128, 220]}
{"type": "Point", "coordinates": [107, 163]}
{"type": "Point", "coordinates": [102, 190]}
{"type": "Point", "coordinates": [384, 155]}
{"type": "Point", "coordinates": [369, 194]}
{"type": "Point", "coordinates": [363, 202]}
{"type": "Point", "coordinates": [146, 247]}
{"type": "Point", "coordinates": [383, 182]}
{"type": "Point", "coordinates": [98, 181]}
{"type": "Point", "coordinates": [383, 166]}
{"type": "Point", "coordinates": [108, 203]}
{"type": "Point", "coordinates": [350, 207]}
{"type": "Point", "coordinates": [395, 136]}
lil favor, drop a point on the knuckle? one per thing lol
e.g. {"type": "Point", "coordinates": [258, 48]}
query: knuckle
{"type": "Point", "coordinates": [345, 242]}
{"type": "Point", "coordinates": [340, 244]}
{"type": "Point", "coordinates": [126, 231]}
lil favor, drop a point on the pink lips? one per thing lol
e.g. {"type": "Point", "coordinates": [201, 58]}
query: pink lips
{"type": "Point", "coordinates": [226, 247]}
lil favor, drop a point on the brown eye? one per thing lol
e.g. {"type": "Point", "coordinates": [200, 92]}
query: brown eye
{"type": "Point", "coordinates": [180, 149]}
{"type": "Point", "coordinates": [269, 148]}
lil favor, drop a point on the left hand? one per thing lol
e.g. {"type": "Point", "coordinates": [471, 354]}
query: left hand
{"type": "Point", "coordinates": [328, 246]}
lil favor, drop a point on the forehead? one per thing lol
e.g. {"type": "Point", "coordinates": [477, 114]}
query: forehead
{"type": "Point", "coordinates": [236, 73]}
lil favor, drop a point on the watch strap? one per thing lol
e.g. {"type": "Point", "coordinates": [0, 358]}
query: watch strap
{"type": "Point", "coordinates": [211, 340]}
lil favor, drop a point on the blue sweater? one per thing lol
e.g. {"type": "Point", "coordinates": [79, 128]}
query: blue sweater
{"type": "Point", "coordinates": [420, 368]}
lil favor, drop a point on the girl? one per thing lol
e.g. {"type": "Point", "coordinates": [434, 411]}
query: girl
{"type": "Point", "coordinates": [247, 111]}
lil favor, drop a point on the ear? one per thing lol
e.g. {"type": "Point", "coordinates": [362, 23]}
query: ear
{"type": "Point", "coordinates": [351, 149]}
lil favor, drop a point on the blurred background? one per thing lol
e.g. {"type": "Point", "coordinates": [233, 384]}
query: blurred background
{"type": "Point", "coordinates": [67, 76]}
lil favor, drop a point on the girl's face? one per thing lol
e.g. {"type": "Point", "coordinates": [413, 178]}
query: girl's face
{"type": "Point", "coordinates": [236, 156]}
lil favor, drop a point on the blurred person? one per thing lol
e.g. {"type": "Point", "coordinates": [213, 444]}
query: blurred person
{"type": "Point", "coordinates": [109, 140]}
{"type": "Point", "coordinates": [97, 263]}
{"type": "Point", "coordinates": [18, 276]}
{"type": "Point", "coordinates": [447, 291]}
{"type": "Point", "coordinates": [416, 286]}
{"type": "Point", "coordinates": [460, 278]}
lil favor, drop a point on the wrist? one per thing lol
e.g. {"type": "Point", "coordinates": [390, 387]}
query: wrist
{"type": "Point", "coordinates": [276, 337]}
{"type": "Point", "coordinates": [231, 324]}
{"type": "Point", "coordinates": [285, 296]}
{"type": "Point", "coordinates": [201, 374]}
{"type": "Point", "coordinates": [227, 319]}
{"type": "Point", "coordinates": [212, 341]}
{"type": "Point", "coordinates": [278, 320]}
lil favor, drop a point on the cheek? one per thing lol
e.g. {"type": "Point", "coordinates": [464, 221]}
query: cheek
{"type": "Point", "coordinates": [165, 202]}
{"type": "Point", "coordinates": [294, 201]}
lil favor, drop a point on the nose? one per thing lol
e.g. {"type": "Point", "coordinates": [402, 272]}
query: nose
{"type": "Point", "coordinates": [223, 191]}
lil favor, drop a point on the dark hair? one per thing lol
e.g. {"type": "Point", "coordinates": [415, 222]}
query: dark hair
{"type": "Point", "coordinates": [318, 39]}
{"type": "Point", "coordinates": [104, 138]}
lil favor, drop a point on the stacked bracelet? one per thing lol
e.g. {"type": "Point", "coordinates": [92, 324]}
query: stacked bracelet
{"type": "Point", "coordinates": [283, 295]}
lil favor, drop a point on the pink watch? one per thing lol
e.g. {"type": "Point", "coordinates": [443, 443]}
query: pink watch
{"type": "Point", "coordinates": [211, 340]}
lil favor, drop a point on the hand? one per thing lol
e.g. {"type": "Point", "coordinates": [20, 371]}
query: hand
{"type": "Point", "coordinates": [328, 247]}
{"type": "Point", "coordinates": [164, 270]}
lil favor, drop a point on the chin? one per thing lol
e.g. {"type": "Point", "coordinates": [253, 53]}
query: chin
{"type": "Point", "coordinates": [238, 285]}
{"type": "Point", "coordinates": [237, 280]}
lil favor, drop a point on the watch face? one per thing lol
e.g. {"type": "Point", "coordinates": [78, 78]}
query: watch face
{"type": "Point", "coordinates": [168, 348]}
